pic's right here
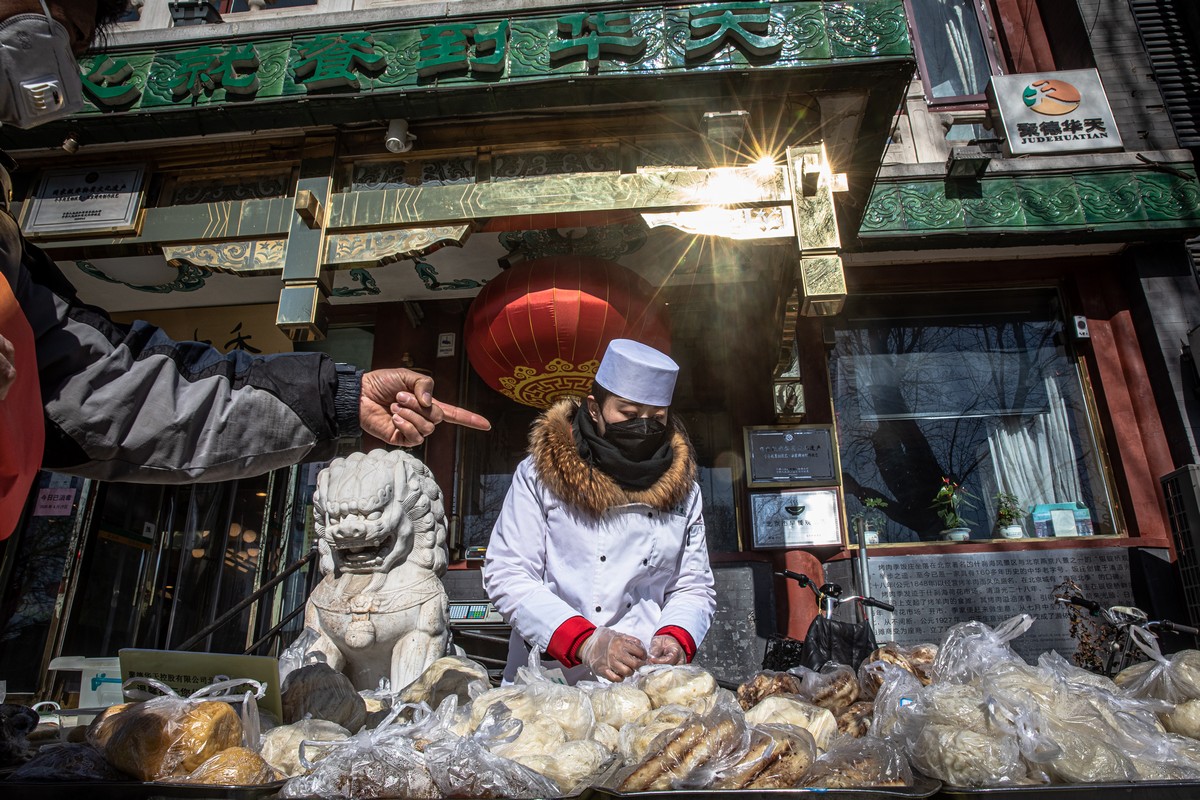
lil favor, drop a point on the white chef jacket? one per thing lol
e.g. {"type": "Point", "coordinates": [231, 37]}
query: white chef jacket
{"type": "Point", "coordinates": [637, 569]}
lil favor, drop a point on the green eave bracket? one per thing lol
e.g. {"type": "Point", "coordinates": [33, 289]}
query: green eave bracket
{"type": "Point", "coordinates": [1069, 208]}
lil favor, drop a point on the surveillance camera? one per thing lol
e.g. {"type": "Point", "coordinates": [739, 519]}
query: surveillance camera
{"type": "Point", "coordinates": [398, 139]}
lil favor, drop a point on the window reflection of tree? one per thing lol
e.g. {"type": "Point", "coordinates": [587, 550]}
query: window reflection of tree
{"type": "Point", "coordinates": [985, 367]}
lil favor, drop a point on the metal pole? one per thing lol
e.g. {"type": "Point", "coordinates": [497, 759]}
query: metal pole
{"type": "Point", "coordinates": [864, 577]}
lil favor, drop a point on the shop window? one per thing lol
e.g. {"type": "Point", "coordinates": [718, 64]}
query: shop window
{"type": "Point", "coordinates": [976, 388]}
{"type": "Point", "coordinates": [955, 55]}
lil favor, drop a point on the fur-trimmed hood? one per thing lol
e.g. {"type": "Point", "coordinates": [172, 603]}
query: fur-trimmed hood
{"type": "Point", "coordinates": [567, 475]}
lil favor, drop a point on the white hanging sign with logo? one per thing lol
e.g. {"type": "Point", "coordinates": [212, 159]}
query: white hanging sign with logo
{"type": "Point", "coordinates": [1054, 112]}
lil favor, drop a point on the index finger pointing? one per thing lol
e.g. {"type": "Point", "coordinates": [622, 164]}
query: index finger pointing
{"type": "Point", "coordinates": [460, 416]}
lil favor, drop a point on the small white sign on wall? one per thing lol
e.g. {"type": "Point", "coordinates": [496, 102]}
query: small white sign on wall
{"type": "Point", "coordinates": [1052, 112]}
{"type": "Point", "coordinates": [445, 346]}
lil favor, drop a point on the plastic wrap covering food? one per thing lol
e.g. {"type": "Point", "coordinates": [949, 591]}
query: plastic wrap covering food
{"type": "Point", "coordinates": [971, 648]}
{"type": "Point", "coordinates": [788, 710]}
{"type": "Point", "coordinates": [966, 758]}
{"type": "Point", "coordinates": [321, 692]}
{"type": "Point", "coordinates": [637, 739]}
{"type": "Point", "coordinates": [777, 758]}
{"type": "Point", "coordinates": [469, 767]}
{"type": "Point", "coordinates": [573, 766]}
{"type": "Point", "coordinates": [367, 766]}
{"type": "Point", "coordinates": [683, 685]}
{"type": "Point", "coordinates": [870, 671]}
{"type": "Point", "coordinates": [1175, 679]}
{"type": "Point", "coordinates": [855, 719]}
{"type": "Point", "coordinates": [765, 684]}
{"type": "Point", "coordinates": [607, 735]}
{"type": "Point", "coordinates": [616, 704]}
{"type": "Point", "coordinates": [166, 737]}
{"type": "Point", "coordinates": [235, 766]}
{"type": "Point", "coordinates": [68, 762]}
{"type": "Point", "coordinates": [1184, 719]}
{"type": "Point", "coordinates": [1071, 676]}
{"type": "Point", "coordinates": [857, 763]}
{"type": "Point", "coordinates": [897, 690]}
{"type": "Point", "coordinates": [543, 705]}
{"type": "Point", "coordinates": [834, 686]}
{"type": "Point", "coordinates": [299, 653]}
{"type": "Point", "coordinates": [691, 755]}
{"type": "Point", "coordinates": [281, 746]}
{"type": "Point", "coordinates": [449, 675]}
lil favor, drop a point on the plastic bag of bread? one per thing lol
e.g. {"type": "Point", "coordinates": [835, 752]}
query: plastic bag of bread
{"type": "Point", "coordinates": [300, 653]}
{"type": "Point", "coordinates": [776, 758]}
{"type": "Point", "coordinates": [691, 755]}
{"type": "Point", "coordinates": [234, 766]}
{"type": "Point", "coordinates": [791, 710]}
{"type": "Point", "coordinates": [470, 767]}
{"type": "Point", "coordinates": [448, 675]}
{"type": "Point", "coordinates": [68, 762]}
{"type": "Point", "coordinates": [1175, 679]}
{"type": "Point", "coordinates": [971, 648]}
{"type": "Point", "coordinates": [854, 763]}
{"type": "Point", "coordinates": [321, 692]}
{"type": "Point", "coordinates": [898, 689]}
{"type": "Point", "coordinates": [870, 671]}
{"type": "Point", "coordinates": [166, 737]}
{"type": "Point", "coordinates": [834, 686]}
{"type": "Point", "coordinates": [383, 763]}
{"type": "Point", "coordinates": [965, 758]}
{"type": "Point", "coordinates": [855, 719]}
{"type": "Point", "coordinates": [637, 739]}
{"type": "Point", "coordinates": [281, 746]}
{"type": "Point", "coordinates": [572, 766]}
{"type": "Point", "coordinates": [616, 704]}
{"type": "Point", "coordinates": [680, 685]}
{"type": "Point", "coordinates": [764, 684]}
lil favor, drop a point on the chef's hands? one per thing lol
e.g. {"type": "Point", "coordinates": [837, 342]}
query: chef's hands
{"type": "Point", "coordinates": [611, 654]}
{"type": "Point", "coordinates": [666, 650]}
{"type": "Point", "coordinates": [398, 407]}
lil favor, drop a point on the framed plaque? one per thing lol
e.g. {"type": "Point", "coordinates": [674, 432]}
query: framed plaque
{"type": "Point", "coordinates": [791, 455]}
{"type": "Point", "coordinates": [803, 518]}
{"type": "Point", "coordinates": [81, 201]}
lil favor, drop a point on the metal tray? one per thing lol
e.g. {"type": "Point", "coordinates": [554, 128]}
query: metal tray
{"type": "Point", "coordinates": [922, 787]}
{"type": "Point", "coordinates": [132, 790]}
{"type": "Point", "coordinates": [1159, 790]}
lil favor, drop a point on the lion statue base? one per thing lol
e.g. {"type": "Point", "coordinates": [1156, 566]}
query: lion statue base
{"type": "Point", "coordinates": [380, 610]}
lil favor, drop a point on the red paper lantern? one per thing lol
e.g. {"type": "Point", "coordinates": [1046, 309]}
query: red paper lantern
{"type": "Point", "coordinates": [538, 331]}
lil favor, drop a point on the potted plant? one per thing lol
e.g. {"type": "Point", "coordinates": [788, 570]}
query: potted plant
{"type": "Point", "coordinates": [950, 500]}
{"type": "Point", "coordinates": [1008, 515]}
{"type": "Point", "coordinates": [873, 518]}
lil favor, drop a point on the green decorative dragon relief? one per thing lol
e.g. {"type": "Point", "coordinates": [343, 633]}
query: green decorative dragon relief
{"type": "Point", "coordinates": [1096, 201]}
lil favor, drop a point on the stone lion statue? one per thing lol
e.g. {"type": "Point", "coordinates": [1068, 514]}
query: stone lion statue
{"type": "Point", "coordinates": [380, 610]}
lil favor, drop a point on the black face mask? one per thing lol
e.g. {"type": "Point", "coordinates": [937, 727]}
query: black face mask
{"type": "Point", "coordinates": [637, 439]}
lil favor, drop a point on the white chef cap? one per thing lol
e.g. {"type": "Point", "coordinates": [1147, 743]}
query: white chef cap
{"type": "Point", "coordinates": [638, 372]}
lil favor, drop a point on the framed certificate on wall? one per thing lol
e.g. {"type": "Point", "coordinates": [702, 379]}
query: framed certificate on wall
{"type": "Point", "coordinates": [791, 455]}
{"type": "Point", "coordinates": [804, 518]}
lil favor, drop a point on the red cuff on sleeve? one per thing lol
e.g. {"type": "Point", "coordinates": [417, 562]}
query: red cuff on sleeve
{"type": "Point", "coordinates": [683, 637]}
{"type": "Point", "coordinates": [564, 644]}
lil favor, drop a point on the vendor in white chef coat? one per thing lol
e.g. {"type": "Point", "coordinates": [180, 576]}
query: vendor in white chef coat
{"type": "Point", "coordinates": [599, 557]}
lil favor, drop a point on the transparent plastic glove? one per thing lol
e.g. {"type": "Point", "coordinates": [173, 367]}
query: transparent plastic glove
{"type": "Point", "coordinates": [666, 650]}
{"type": "Point", "coordinates": [611, 654]}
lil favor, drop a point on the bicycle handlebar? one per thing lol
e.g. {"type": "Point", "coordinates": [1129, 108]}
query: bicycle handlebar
{"type": "Point", "coordinates": [1175, 627]}
{"type": "Point", "coordinates": [1082, 602]}
{"type": "Point", "coordinates": [804, 580]}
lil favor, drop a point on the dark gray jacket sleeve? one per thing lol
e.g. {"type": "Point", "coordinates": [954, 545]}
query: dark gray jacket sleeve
{"type": "Point", "coordinates": [127, 403]}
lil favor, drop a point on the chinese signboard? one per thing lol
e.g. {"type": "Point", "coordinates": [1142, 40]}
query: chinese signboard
{"type": "Point", "coordinates": [934, 592]}
{"type": "Point", "coordinates": [228, 328]}
{"type": "Point", "coordinates": [1053, 112]}
{"type": "Point", "coordinates": [71, 201]}
{"type": "Point", "coordinates": [796, 519]}
{"type": "Point", "coordinates": [645, 41]}
{"type": "Point", "coordinates": [797, 455]}
{"type": "Point", "coordinates": [54, 501]}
